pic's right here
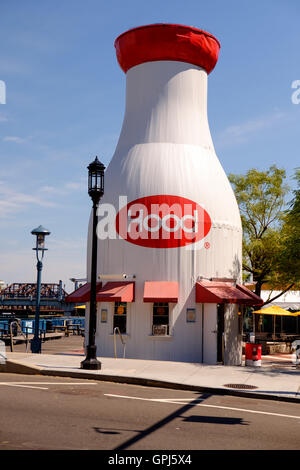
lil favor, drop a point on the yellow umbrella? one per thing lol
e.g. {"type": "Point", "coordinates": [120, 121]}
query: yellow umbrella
{"type": "Point", "coordinates": [80, 306]}
{"type": "Point", "coordinates": [274, 310]}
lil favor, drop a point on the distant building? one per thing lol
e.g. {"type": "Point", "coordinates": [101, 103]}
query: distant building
{"type": "Point", "coordinates": [20, 299]}
{"type": "Point", "coordinates": [78, 282]}
{"type": "Point", "coordinates": [289, 301]}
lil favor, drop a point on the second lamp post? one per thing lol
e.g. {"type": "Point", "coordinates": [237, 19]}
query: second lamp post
{"type": "Point", "coordinates": [40, 233]}
{"type": "Point", "coordinates": [96, 191]}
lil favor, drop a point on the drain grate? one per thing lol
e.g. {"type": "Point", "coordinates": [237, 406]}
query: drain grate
{"type": "Point", "coordinates": [241, 386]}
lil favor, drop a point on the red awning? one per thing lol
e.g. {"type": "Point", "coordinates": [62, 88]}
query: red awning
{"type": "Point", "coordinates": [256, 299]}
{"type": "Point", "coordinates": [160, 291]}
{"type": "Point", "coordinates": [82, 294]}
{"type": "Point", "coordinates": [220, 292]}
{"type": "Point", "coordinates": [117, 291]}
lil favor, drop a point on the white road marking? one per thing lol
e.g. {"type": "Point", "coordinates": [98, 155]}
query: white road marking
{"type": "Point", "coordinates": [162, 400]}
{"type": "Point", "coordinates": [35, 384]}
{"type": "Point", "coordinates": [170, 400]}
{"type": "Point", "coordinates": [23, 386]}
{"type": "Point", "coordinates": [51, 383]}
{"type": "Point", "coordinates": [192, 403]}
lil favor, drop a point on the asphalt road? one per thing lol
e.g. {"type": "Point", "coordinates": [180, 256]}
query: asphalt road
{"type": "Point", "coordinates": [62, 413]}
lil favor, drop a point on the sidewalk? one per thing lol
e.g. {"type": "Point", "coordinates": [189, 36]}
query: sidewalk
{"type": "Point", "coordinates": [274, 382]}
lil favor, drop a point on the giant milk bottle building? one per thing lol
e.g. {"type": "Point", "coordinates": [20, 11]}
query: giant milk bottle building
{"type": "Point", "coordinates": [169, 255]}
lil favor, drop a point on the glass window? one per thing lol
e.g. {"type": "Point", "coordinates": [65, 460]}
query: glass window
{"type": "Point", "coordinates": [120, 316]}
{"type": "Point", "coordinates": [160, 317]}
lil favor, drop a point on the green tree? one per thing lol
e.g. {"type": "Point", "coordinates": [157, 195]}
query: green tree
{"type": "Point", "coordinates": [289, 258]}
{"type": "Point", "coordinates": [261, 199]}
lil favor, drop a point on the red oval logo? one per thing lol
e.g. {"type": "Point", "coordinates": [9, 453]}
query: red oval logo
{"type": "Point", "coordinates": [162, 221]}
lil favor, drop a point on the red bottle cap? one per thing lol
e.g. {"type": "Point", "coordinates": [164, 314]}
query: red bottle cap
{"type": "Point", "coordinates": [167, 42]}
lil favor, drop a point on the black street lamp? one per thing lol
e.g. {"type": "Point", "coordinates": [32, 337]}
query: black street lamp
{"type": "Point", "coordinates": [96, 191]}
{"type": "Point", "coordinates": [40, 233]}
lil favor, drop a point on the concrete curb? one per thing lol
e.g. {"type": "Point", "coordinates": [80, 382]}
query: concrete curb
{"type": "Point", "coordinates": [15, 367]}
{"type": "Point", "coordinates": [21, 368]}
{"type": "Point", "coordinates": [170, 385]}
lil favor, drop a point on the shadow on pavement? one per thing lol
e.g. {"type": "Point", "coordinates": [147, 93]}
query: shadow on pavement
{"type": "Point", "coordinates": [178, 414]}
{"type": "Point", "coordinates": [215, 420]}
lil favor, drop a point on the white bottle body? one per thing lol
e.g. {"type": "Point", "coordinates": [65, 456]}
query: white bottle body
{"type": "Point", "coordinates": [165, 148]}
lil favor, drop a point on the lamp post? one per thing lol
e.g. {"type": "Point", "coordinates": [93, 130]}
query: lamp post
{"type": "Point", "coordinates": [96, 191]}
{"type": "Point", "coordinates": [40, 233]}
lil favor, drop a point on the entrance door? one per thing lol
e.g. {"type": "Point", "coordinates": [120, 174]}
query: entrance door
{"type": "Point", "coordinates": [220, 332]}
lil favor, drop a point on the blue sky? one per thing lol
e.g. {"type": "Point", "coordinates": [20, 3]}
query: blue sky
{"type": "Point", "coordinates": [65, 95]}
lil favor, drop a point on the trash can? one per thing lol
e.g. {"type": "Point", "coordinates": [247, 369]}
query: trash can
{"type": "Point", "coordinates": [253, 354]}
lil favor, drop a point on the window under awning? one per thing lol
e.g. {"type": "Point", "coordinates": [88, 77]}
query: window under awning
{"type": "Point", "coordinates": [220, 292]}
{"type": "Point", "coordinates": [161, 291]}
{"type": "Point", "coordinates": [117, 291]}
{"type": "Point", "coordinates": [82, 294]}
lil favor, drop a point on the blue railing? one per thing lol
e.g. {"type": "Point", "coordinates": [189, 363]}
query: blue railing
{"type": "Point", "coordinates": [28, 325]}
